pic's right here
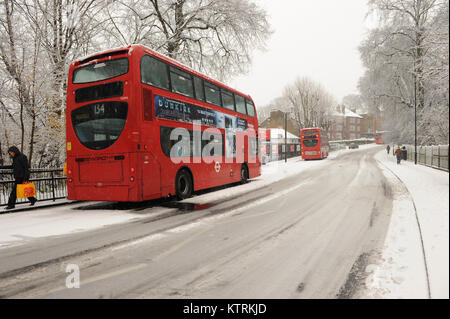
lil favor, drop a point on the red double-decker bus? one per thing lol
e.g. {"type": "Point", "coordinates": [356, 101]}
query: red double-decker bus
{"type": "Point", "coordinates": [382, 137]}
{"type": "Point", "coordinates": [314, 143]}
{"type": "Point", "coordinates": [142, 126]}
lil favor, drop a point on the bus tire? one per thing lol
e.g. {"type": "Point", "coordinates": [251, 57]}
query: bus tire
{"type": "Point", "coordinates": [184, 186]}
{"type": "Point", "coordinates": [244, 174]}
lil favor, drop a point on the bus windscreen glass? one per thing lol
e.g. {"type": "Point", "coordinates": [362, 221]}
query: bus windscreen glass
{"type": "Point", "coordinates": [100, 71]}
{"type": "Point", "coordinates": [310, 142]}
{"type": "Point", "coordinates": [99, 125]}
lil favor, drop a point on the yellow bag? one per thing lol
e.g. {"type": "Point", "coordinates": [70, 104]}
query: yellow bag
{"type": "Point", "coordinates": [26, 190]}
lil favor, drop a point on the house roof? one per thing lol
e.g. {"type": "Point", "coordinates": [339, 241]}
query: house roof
{"type": "Point", "coordinates": [347, 113]}
{"type": "Point", "coordinates": [279, 133]}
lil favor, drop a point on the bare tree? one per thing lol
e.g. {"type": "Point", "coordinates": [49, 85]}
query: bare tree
{"type": "Point", "coordinates": [310, 102]}
{"type": "Point", "coordinates": [406, 59]}
{"type": "Point", "coordinates": [213, 36]}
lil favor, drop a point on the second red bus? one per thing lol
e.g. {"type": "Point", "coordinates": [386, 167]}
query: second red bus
{"type": "Point", "coordinates": [314, 143]}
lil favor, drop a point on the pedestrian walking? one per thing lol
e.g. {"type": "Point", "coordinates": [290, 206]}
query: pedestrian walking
{"type": "Point", "coordinates": [388, 148]}
{"type": "Point", "coordinates": [21, 173]}
{"type": "Point", "coordinates": [398, 153]}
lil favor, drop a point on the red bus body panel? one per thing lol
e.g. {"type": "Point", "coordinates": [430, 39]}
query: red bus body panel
{"type": "Point", "coordinates": [134, 168]}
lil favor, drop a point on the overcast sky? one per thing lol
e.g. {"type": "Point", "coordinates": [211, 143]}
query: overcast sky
{"type": "Point", "coordinates": [314, 38]}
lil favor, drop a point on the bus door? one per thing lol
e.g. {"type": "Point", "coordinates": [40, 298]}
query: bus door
{"type": "Point", "coordinates": [148, 164]}
{"type": "Point", "coordinates": [151, 174]}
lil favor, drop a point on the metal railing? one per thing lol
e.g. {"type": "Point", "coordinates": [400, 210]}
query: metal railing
{"type": "Point", "coordinates": [435, 156]}
{"type": "Point", "coordinates": [51, 184]}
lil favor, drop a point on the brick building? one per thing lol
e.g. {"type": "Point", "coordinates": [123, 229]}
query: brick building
{"type": "Point", "coordinates": [276, 120]}
{"type": "Point", "coordinates": [346, 124]}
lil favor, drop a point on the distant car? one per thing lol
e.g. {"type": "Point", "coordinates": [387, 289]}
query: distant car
{"type": "Point", "coordinates": [353, 145]}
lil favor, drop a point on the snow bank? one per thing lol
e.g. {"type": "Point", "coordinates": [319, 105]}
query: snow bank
{"type": "Point", "coordinates": [429, 189]}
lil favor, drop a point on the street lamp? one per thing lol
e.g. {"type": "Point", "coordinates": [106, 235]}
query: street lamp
{"type": "Point", "coordinates": [415, 113]}
{"type": "Point", "coordinates": [285, 137]}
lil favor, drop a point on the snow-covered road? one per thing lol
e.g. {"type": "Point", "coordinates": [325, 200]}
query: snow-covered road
{"type": "Point", "coordinates": [316, 229]}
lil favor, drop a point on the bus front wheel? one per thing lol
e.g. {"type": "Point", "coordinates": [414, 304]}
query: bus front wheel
{"type": "Point", "coordinates": [183, 185]}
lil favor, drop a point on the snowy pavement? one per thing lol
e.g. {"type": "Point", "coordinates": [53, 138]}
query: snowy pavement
{"type": "Point", "coordinates": [420, 215]}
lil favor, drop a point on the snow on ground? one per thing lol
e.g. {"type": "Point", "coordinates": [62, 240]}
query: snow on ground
{"type": "Point", "coordinates": [20, 227]}
{"type": "Point", "coordinates": [402, 272]}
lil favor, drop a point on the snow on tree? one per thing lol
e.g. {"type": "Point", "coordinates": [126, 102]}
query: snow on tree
{"type": "Point", "coordinates": [40, 38]}
{"type": "Point", "coordinates": [307, 102]}
{"type": "Point", "coordinates": [213, 36]}
{"type": "Point", "coordinates": [406, 60]}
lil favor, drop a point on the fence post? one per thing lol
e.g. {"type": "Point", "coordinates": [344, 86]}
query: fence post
{"type": "Point", "coordinates": [439, 156]}
{"type": "Point", "coordinates": [425, 156]}
{"type": "Point", "coordinates": [53, 186]}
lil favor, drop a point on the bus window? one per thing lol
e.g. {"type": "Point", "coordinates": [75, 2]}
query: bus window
{"type": "Point", "coordinates": [99, 125]}
{"type": "Point", "coordinates": [154, 72]}
{"type": "Point", "coordinates": [227, 100]}
{"type": "Point", "coordinates": [212, 94]}
{"type": "Point", "coordinates": [310, 143]}
{"type": "Point", "coordinates": [100, 71]}
{"type": "Point", "coordinates": [181, 82]}
{"type": "Point", "coordinates": [199, 91]}
{"type": "Point", "coordinates": [250, 108]}
{"type": "Point", "coordinates": [240, 104]}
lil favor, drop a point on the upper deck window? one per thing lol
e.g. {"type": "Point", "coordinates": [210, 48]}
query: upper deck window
{"type": "Point", "coordinates": [227, 100]}
{"type": "Point", "coordinates": [240, 104]}
{"type": "Point", "coordinates": [154, 72]}
{"type": "Point", "coordinates": [310, 133]}
{"type": "Point", "coordinates": [199, 90]}
{"type": "Point", "coordinates": [250, 108]}
{"type": "Point", "coordinates": [212, 93]}
{"type": "Point", "coordinates": [181, 82]}
{"type": "Point", "coordinates": [100, 71]}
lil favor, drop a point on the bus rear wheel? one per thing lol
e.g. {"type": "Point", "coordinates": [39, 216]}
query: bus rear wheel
{"type": "Point", "coordinates": [183, 184]}
{"type": "Point", "coordinates": [244, 174]}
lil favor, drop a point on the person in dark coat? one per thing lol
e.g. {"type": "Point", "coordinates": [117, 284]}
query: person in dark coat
{"type": "Point", "coordinates": [21, 173]}
{"type": "Point", "coordinates": [388, 148]}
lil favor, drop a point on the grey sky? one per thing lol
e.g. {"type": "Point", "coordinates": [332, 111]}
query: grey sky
{"type": "Point", "coordinates": [314, 38]}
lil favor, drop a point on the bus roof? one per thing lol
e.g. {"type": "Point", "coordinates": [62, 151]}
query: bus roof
{"type": "Point", "coordinates": [310, 128]}
{"type": "Point", "coordinates": [130, 48]}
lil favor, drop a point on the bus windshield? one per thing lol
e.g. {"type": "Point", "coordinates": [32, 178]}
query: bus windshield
{"type": "Point", "coordinates": [99, 125]}
{"type": "Point", "coordinates": [310, 142]}
{"type": "Point", "coordinates": [100, 71]}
